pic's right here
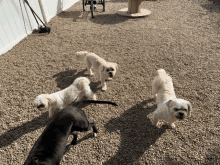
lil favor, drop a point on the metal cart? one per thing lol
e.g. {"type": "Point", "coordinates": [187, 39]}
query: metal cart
{"type": "Point", "coordinates": [93, 4]}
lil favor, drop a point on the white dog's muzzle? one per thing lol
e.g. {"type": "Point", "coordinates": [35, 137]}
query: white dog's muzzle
{"type": "Point", "coordinates": [110, 74]}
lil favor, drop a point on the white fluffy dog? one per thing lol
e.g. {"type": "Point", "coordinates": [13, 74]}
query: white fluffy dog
{"type": "Point", "coordinates": [169, 108]}
{"type": "Point", "coordinates": [107, 70]}
{"type": "Point", "coordinates": [59, 100]}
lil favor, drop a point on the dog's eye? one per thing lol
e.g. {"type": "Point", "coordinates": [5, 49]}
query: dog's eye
{"type": "Point", "coordinates": [176, 109]}
{"type": "Point", "coordinates": [107, 70]}
{"type": "Point", "coordinates": [112, 69]}
{"type": "Point", "coordinates": [184, 109]}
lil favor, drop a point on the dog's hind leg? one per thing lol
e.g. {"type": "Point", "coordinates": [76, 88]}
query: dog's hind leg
{"type": "Point", "coordinates": [88, 92]}
{"type": "Point", "coordinates": [51, 112]}
{"type": "Point", "coordinates": [94, 128]}
{"type": "Point", "coordinates": [89, 66]}
{"type": "Point", "coordinates": [74, 138]}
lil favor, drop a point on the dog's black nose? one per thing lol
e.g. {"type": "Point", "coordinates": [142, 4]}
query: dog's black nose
{"type": "Point", "coordinates": [110, 74]}
{"type": "Point", "coordinates": [40, 106]}
{"type": "Point", "coordinates": [181, 114]}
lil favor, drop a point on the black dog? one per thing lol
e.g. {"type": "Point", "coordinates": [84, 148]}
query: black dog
{"type": "Point", "coordinates": [50, 146]}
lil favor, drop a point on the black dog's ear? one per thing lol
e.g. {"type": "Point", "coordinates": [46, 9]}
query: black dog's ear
{"type": "Point", "coordinates": [36, 162]}
{"type": "Point", "coordinates": [40, 106]}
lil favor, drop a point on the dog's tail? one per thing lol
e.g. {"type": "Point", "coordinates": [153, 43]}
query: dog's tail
{"type": "Point", "coordinates": [159, 80]}
{"type": "Point", "coordinates": [81, 56]}
{"type": "Point", "coordinates": [161, 72]}
{"type": "Point", "coordinates": [83, 84]}
{"type": "Point", "coordinates": [99, 102]}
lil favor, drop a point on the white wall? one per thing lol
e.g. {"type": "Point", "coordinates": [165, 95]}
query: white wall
{"type": "Point", "coordinates": [17, 21]}
{"type": "Point", "coordinates": [50, 8]}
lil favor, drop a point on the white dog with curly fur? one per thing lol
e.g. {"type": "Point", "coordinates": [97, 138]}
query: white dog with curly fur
{"type": "Point", "coordinates": [169, 108]}
{"type": "Point", "coordinates": [107, 70]}
{"type": "Point", "coordinates": [59, 100]}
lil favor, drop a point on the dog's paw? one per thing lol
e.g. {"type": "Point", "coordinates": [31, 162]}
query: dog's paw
{"type": "Point", "coordinates": [94, 97]}
{"type": "Point", "coordinates": [104, 88]}
{"type": "Point", "coordinates": [91, 74]}
{"type": "Point", "coordinates": [94, 134]}
{"type": "Point", "coordinates": [109, 79]}
{"type": "Point", "coordinates": [173, 126]}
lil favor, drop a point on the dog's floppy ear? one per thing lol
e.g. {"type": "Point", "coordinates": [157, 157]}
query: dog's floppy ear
{"type": "Point", "coordinates": [189, 109]}
{"type": "Point", "coordinates": [115, 65]}
{"type": "Point", "coordinates": [51, 100]}
{"type": "Point", "coordinates": [168, 103]}
{"type": "Point", "coordinates": [101, 68]}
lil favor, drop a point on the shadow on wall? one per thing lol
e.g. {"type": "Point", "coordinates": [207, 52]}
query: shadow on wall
{"type": "Point", "coordinates": [137, 133]}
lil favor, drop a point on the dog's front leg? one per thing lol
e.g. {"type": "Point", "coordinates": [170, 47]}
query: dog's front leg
{"type": "Point", "coordinates": [51, 112]}
{"type": "Point", "coordinates": [74, 138]}
{"type": "Point", "coordinates": [104, 86]}
{"type": "Point", "coordinates": [155, 120]}
{"type": "Point", "coordinates": [172, 125]}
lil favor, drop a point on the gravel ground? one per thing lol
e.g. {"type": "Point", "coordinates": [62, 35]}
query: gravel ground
{"type": "Point", "coordinates": [181, 36]}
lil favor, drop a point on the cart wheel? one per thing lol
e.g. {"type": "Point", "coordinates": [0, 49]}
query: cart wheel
{"type": "Point", "coordinates": [92, 8]}
{"type": "Point", "coordinates": [83, 5]}
{"type": "Point", "coordinates": [103, 5]}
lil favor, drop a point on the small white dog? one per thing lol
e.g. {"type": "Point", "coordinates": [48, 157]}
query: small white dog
{"type": "Point", "coordinates": [169, 108]}
{"type": "Point", "coordinates": [59, 100]}
{"type": "Point", "coordinates": [107, 70]}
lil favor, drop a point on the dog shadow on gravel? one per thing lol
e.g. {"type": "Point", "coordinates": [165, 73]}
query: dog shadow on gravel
{"type": "Point", "coordinates": [66, 78]}
{"type": "Point", "coordinates": [15, 133]}
{"type": "Point", "coordinates": [137, 133]}
{"type": "Point", "coordinates": [70, 14]}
